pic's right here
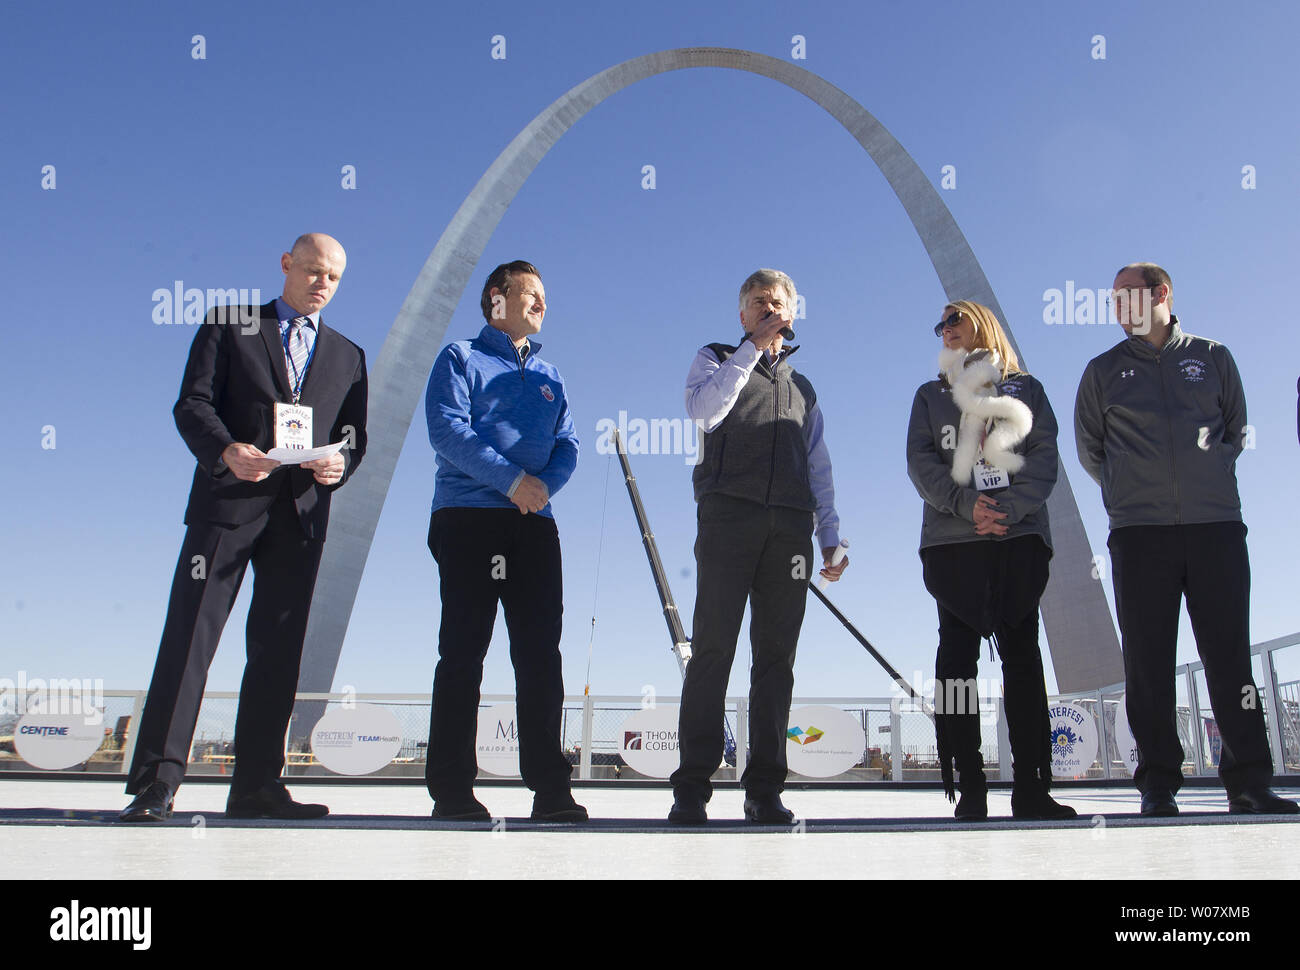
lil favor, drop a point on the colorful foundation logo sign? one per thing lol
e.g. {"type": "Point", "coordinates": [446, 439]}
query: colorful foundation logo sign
{"type": "Point", "coordinates": [799, 736]}
{"type": "Point", "coordinates": [356, 740]}
{"type": "Point", "coordinates": [55, 741]}
{"type": "Point", "coordinates": [822, 742]}
{"type": "Point", "coordinates": [649, 741]}
{"type": "Point", "coordinates": [1073, 739]}
{"type": "Point", "coordinates": [497, 744]}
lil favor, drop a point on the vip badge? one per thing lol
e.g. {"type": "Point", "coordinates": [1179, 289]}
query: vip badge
{"type": "Point", "coordinates": [292, 426]}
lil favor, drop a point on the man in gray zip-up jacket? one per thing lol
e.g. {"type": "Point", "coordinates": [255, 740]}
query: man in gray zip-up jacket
{"type": "Point", "coordinates": [1159, 422]}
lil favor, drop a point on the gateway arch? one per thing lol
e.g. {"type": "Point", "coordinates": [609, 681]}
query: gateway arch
{"type": "Point", "coordinates": [1080, 633]}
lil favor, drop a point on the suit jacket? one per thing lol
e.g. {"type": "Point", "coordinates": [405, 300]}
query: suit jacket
{"type": "Point", "coordinates": [232, 380]}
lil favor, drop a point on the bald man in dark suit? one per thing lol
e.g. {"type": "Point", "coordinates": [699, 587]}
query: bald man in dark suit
{"type": "Point", "coordinates": [246, 507]}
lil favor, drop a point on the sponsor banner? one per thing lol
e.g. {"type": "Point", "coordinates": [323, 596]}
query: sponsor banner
{"type": "Point", "coordinates": [497, 744]}
{"type": "Point", "coordinates": [1128, 749]}
{"type": "Point", "coordinates": [648, 741]}
{"type": "Point", "coordinates": [1073, 739]}
{"type": "Point", "coordinates": [356, 740]}
{"type": "Point", "coordinates": [821, 742]}
{"type": "Point", "coordinates": [56, 741]}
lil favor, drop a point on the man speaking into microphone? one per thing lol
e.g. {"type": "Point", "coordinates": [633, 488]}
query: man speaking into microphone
{"type": "Point", "coordinates": [763, 485]}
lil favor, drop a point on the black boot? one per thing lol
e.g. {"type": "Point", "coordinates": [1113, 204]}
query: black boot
{"type": "Point", "coordinates": [973, 806]}
{"type": "Point", "coordinates": [1030, 800]}
{"type": "Point", "coordinates": [962, 733]}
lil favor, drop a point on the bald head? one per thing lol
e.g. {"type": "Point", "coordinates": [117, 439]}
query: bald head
{"type": "Point", "coordinates": [312, 270]}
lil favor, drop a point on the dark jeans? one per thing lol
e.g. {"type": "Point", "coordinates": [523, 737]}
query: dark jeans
{"type": "Point", "coordinates": [743, 551]}
{"type": "Point", "coordinates": [285, 563]}
{"type": "Point", "coordinates": [1153, 568]}
{"type": "Point", "coordinates": [990, 587]}
{"type": "Point", "coordinates": [486, 556]}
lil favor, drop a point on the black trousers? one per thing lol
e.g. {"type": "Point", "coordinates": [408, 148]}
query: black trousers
{"type": "Point", "coordinates": [743, 551]}
{"type": "Point", "coordinates": [284, 562]}
{"type": "Point", "coordinates": [989, 587]}
{"type": "Point", "coordinates": [1154, 567]}
{"type": "Point", "coordinates": [486, 557]}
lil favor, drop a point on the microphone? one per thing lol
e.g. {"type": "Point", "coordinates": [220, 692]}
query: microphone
{"type": "Point", "coordinates": [785, 332]}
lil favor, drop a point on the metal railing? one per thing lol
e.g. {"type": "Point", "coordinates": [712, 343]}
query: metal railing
{"type": "Point", "coordinates": [900, 743]}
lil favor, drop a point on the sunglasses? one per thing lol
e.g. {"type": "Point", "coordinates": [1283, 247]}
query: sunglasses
{"type": "Point", "coordinates": [952, 320]}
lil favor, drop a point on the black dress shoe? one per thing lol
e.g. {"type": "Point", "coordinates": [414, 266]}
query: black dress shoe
{"type": "Point", "coordinates": [1261, 801]}
{"type": "Point", "coordinates": [273, 801]}
{"type": "Point", "coordinates": [557, 807]}
{"type": "Point", "coordinates": [688, 810]}
{"type": "Point", "coordinates": [461, 808]}
{"type": "Point", "coordinates": [1159, 804]}
{"type": "Point", "coordinates": [154, 804]}
{"type": "Point", "coordinates": [767, 810]}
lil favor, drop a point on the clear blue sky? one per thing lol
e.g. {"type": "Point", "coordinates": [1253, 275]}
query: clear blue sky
{"type": "Point", "coordinates": [170, 168]}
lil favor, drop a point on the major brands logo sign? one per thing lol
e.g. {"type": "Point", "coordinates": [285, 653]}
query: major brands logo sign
{"type": "Point", "coordinates": [497, 743]}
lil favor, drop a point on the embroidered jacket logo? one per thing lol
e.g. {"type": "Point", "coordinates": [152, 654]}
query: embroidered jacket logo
{"type": "Point", "coordinates": [1193, 370]}
{"type": "Point", "coordinates": [547, 392]}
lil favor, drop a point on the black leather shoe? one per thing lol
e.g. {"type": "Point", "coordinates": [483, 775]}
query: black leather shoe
{"type": "Point", "coordinates": [273, 801]}
{"type": "Point", "coordinates": [688, 810]}
{"type": "Point", "coordinates": [1159, 804]}
{"type": "Point", "coordinates": [973, 806]}
{"type": "Point", "coordinates": [465, 808]}
{"type": "Point", "coordinates": [154, 804]}
{"type": "Point", "coordinates": [1261, 801]}
{"type": "Point", "coordinates": [557, 807]}
{"type": "Point", "coordinates": [767, 810]}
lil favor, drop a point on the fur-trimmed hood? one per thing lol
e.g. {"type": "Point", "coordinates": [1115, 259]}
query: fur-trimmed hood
{"type": "Point", "coordinates": [973, 377]}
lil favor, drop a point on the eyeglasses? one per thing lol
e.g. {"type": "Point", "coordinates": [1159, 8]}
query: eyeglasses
{"type": "Point", "coordinates": [1128, 293]}
{"type": "Point", "coordinates": [952, 320]}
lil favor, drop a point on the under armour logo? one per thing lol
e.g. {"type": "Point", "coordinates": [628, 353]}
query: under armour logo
{"type": "Point", "coordinates": [1127, 373]}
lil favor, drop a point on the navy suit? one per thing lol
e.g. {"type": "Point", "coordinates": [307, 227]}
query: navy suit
{"type": "Point", "coordinates": [233, 378]}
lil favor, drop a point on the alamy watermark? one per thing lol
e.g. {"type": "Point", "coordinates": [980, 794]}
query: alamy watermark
{"type": "Point", "coordinates": [75, 696]}
{"type": "Point", "coordinates": [192, 306]}
{"type": "Point", "coordinates": [953, 695]}
{"type": "Point", "coordinates": [650, 436]}
{"type": "Point", "coordinates": [1074, 305]}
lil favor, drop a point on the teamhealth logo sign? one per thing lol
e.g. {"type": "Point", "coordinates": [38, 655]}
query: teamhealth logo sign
{"type": "Point", "coordinates": [356, 740]}
{"type": "Point", "coordinates": [822, 742]}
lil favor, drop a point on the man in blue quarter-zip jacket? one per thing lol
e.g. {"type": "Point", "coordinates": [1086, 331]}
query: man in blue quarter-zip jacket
{"type": "Point", "coordinates": [1159, 422]}
{"type": "Point", "coordinates": [499, 421]}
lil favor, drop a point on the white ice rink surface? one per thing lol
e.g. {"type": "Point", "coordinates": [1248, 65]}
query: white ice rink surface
{"type": "Point", "coordinates": [1160, 849]}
